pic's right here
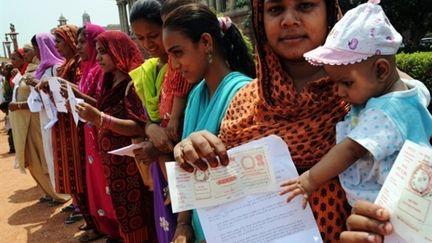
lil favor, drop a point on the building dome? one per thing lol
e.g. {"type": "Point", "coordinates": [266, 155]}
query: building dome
{"type": "Point", "coordinates": [85, 18]}
{"type": "Point", "coordinates": [62, 18]}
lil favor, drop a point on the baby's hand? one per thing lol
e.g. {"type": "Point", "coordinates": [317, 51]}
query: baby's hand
{"type": "Point", "coordinates": [302, 185]}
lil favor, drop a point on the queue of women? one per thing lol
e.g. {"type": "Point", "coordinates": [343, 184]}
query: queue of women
{"type": "Point", "coordinates": [199, 94]}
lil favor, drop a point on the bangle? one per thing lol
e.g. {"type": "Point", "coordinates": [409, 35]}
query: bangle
{"type": "Point", "coordinates": [183, 223]}
{"type": "Point", "coordinates": [101, 121]}
{"type": "Point", "coordinates": [109, 122]}
{"type": "Point", "coordinates": [105, 120]}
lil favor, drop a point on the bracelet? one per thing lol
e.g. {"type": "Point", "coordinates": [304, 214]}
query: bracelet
{"type": "Point", "coordinates": [101, 121]}
{"type": "Point", "coordinates": [183, 223]}
{"type": "Point", "coordinates": [107, 121]}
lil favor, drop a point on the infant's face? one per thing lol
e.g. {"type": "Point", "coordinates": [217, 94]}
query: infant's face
{"type": "Point", "coordinates": [357, 82]}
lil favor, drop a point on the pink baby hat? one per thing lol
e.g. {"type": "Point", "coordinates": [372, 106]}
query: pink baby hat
{"type": "Point", "coordinates": [364, 31]}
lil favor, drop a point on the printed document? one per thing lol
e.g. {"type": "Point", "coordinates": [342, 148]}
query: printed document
{"type": "Point", "coordinates": [266, 216]}
{"type": "Point", "coordinates": [407, 193]}
{"type": "Point", "coordinates": [249, 171]}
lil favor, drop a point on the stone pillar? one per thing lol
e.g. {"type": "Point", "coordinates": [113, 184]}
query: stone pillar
{"type": "Point", "coordinates": [130, 3]}
{"type": "Point", "coordinates": [219, 6]}
{"type": "Point", "coordinates": [212, 4]}
{"type": "Point", "coordinates": [124, 26]}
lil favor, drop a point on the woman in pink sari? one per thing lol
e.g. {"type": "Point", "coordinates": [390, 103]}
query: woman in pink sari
{"type": "Point", "coordinates": [99, 200]}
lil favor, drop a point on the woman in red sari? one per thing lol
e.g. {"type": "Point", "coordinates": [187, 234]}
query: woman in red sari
{"type": "Point", "coordinates": [120, 117]}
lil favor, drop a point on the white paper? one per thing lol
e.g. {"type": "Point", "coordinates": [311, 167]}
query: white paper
{"type": "Point", "coordinates": [16, 81]}
{"type": "Point", "coordinates": [59, 100]}
{"type": "Point", "coordinates": [249, 171]}
{"type": "Point", "coordinates": [407, 193]}
{"type": "Point", "coordinates": [79, 101]}
{"type": "Point", "coordinates": [72, 103]}
{"type": "Point", "coordinates": [34, 101]}
{"type": "Point", "coordinates": [50, 110]}
{"type": "Point", "coordinates": [264, 217]}
{"type": "Point", "coordinates": [127, 151]}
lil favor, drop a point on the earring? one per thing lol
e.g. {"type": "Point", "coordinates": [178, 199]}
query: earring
{"type": "Point", "coordinates": [209, 58]}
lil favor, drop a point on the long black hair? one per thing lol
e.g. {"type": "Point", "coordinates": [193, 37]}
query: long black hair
{"type": "Point", "coordinates": [148, 10]}
{"type": "Point", "coordinates": [34, 42]}
{"type": "Point", "coordinates": [333, 12]}
{"type": "Point", "coordinates": [195, 19]}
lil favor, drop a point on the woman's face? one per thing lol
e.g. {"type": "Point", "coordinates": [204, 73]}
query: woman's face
{"type": "Point", "coordinates": [17, 60]}
{"type": "Point", "coordinates": [62, 47]}
{"type": "Point", "coordinates": [294, 27]}
{"type": "Point", "coordinates": [188, 57]}
{"type": "Point", "coordinates": [28, 55]}
{"type": "Point", "coordinates": [149, 36]}
{"type": "Point", "coordinates": [82, 48]}
{"type": "Point", "coordinates": [37, 52]}
{"type": "Point", "coordinates": [104, 60]}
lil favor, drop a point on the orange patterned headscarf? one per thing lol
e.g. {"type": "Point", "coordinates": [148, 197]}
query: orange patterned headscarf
{"type": "Point", "coordinates": [70, 69]}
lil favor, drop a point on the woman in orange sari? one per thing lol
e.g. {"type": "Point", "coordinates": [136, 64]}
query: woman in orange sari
{"type": "Point", "coordinates": [67, 138]}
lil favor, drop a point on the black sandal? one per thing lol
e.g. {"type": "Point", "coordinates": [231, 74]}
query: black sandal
{"type": "Point", "coordinates": [54, 203]}
{"type": "Point", "coordinates": [45, 199]}
{"type": "Point", "coordinates": [73, 218]}
{"type": "Point", "coordinates": [68, 209]}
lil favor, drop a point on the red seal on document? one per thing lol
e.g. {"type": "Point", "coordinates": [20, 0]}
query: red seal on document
{"type": "Point", "coordinates": [421, 179]}
{"type": "Point", "coordinates": [200, 175]}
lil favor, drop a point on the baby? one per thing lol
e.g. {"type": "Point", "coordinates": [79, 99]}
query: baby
{"type": "Point", "coordinates": [359, 55]}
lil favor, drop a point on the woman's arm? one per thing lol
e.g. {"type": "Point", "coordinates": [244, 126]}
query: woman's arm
{"type": "Point", "coordinates": [173, 127]}
{"type": "Point", "coordinates": [184, 232]}
{"type": "Point", "coordinates": [159, 137]}
{"type": "Point", "coordinates": [88, 99]}
{"type": "Point", "coordinates": [22, 105]}
{"type": "Point", "coordinates": [125, 127]}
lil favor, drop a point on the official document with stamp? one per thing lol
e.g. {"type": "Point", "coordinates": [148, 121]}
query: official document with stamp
{"type": "Point", "coordinates": [249, 171]}
{"type": "Point", "coordinates": [259, 216]}
{"type": "Point", "coordinates": [407, 193]}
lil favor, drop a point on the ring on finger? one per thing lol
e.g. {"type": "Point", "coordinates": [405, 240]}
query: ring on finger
{"type": "Point", "coordinates": [182, 146]}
